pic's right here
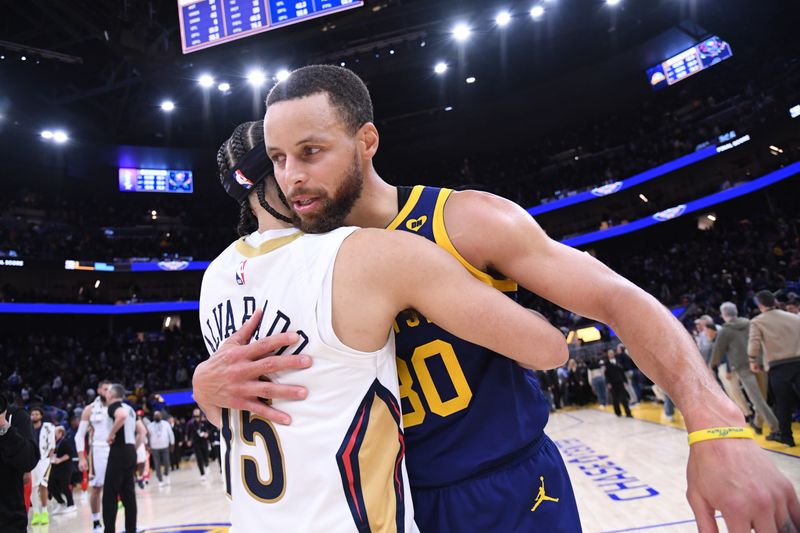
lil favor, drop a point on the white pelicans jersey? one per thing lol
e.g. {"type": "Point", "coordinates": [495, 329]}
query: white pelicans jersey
{"type": "Point", "coordinates": [339, 467]}
{"type": "Point", "coordinates": [101, 423]}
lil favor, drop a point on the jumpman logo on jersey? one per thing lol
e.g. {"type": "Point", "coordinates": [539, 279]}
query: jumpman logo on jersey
{"type": "Point", "coordinates": [542, 497]}
{"type": "Point", "coordinates": [415, 224]}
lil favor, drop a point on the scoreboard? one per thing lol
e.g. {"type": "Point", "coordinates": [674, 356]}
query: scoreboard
{"type": "Point", "coordinates": [207, 23]}
{"type": "Point", "coordinates": [691, 61]}
{"type": "Point", "coordinates": [155, 180]}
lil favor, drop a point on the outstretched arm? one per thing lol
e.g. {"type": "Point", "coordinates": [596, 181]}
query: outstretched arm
{"type": "Point", "coordinates": [658, 343]}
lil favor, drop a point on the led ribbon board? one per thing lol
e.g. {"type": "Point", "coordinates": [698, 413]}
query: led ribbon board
{"type": "Point", "coordinates": [683, 209]}
{"type": "Point", "coordinates": [613, 188]}
{"type": "Point", "coordinates": [207, 23]}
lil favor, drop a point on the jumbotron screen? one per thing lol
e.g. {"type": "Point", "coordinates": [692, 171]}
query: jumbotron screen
{"type": "Point", "coordinates": [691, 61]}
{"type": "Point", "coordinates": [155, 180]}
{"type": "Point", "coordinates": [207, 23]}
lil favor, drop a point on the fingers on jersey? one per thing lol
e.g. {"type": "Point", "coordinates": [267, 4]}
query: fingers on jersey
{"type": "Point", "coordinates": [267, 345]}
{"type": "Point", "coordinates": [245, 333]}
{"type": "Point", "coordinates": [270, 391]}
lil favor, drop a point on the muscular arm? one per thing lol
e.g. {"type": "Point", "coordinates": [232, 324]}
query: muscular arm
{"type": "Point", "coordinates": [495, 233]}
{"type": "Point", "coordinates": [378, 274]}
{"type": "Point", "coordinates": [141, 433]}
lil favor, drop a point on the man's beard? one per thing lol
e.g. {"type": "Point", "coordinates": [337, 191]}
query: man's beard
{"type": "Point", "coordinates": [334, 210]}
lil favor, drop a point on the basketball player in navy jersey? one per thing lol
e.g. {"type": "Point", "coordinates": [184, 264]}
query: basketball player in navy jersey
{"type": "Point", "coordinates": [478, 458]}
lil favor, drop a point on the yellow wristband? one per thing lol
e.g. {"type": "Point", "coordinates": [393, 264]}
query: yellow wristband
{"type": "Point", "coordinates": [720, 433]}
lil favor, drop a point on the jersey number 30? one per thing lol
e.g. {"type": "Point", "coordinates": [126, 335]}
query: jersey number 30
{"type": "Point", "coordinates": [416, 415]}
{"type": "Point", "coordinates": [251, 429]}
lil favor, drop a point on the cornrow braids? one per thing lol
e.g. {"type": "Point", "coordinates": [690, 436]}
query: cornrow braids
{"type": "Point", "coordinates": [244, 138]}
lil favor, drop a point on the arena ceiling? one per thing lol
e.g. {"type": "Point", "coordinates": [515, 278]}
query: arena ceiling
{"type": "Point", "coordinates": [101, 69]}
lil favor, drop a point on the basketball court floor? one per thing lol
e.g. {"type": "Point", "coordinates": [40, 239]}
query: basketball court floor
{"type": "Point", "coordinates": [628, 474]}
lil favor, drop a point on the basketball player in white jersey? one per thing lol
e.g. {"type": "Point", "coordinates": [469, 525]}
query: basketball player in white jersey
{"type": "Point", "coordinates": [95, 415]}
{"type": "Point", "coordinates": [45, 434]}
{"type": "Point", "coordinates": [340, 466]}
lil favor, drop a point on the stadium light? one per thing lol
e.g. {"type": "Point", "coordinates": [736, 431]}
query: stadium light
{"type": "Point", "coordinates": [612, 2]}
{"type": "Point", "coordinates": [712, 218]}
{"type": "Point", "coordinates": [643, 198]}
{"type": "Point", "coordinates": [461, 32]}
{"type": "Point", "coordinates": [60, 136]}
{"type": "Point", "coordinates": [503, 19]}
{"type": "Point", "coordinates": [206, 81]}
{"type": "Point", "coordinates": [470, 80]}
{"type": "Point", "coordinates": [97, 284]}
{"type": "Point", "coordinates": [440, 68]}
{"type": "Point", "coordinates": [448, 108]}
{"type": "Point", "coordinates": [537, 12]}
{"type": "Point", "coordinates": [282, 74]}
{"type": "Point", "coordinates": [167, 105]}
{"type": "Point", "coordinates": [256, 78]}
{"type": "Point", "coordinates": [224, 87]}
{"type": "Point", "coordinates": [46, 134]}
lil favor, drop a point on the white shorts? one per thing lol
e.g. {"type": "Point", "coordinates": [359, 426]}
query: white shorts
{"type": "Point", "coordinates": [41, 473]}
{"type": "Point", "coordinates": [98, 459]}
{"type": "Point", "coordinates": [141, 454]}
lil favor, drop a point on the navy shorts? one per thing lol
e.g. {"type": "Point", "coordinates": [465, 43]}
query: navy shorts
{"type": "Point", "coordinates": [531, 493]}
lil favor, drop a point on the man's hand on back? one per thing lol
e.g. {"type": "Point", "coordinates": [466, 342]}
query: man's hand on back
{"type": "Point", "coordinates": [234, 376]}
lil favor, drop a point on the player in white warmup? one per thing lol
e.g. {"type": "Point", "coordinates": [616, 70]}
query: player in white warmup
{"type": "Point", "coordinates": [45, 433]}
{"type": "Point", "coordinates": [95, 415]}
{"type": "Point", "coordinates": [339, 467]}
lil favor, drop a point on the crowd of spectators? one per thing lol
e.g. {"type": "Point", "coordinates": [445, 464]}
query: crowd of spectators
{"type": "Point", "coordinates": [62, 371]}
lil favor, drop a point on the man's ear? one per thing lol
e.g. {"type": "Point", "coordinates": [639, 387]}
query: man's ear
{"type": "Point", "coordinates": [368, 140]}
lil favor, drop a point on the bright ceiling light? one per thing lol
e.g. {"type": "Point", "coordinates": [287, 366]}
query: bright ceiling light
{"type": "Point", "coordinates": [282, 74]}
{"type": "Point", "coordinates": [46, 134]}
{"type": "Point", "coordinates": [440, 68]}
{"type": "Point", "coordinates": [167, 105]}
{"type": "Point", "coordinates": [206, 81]}
{"type": "Point", "coordinates": [224, 87]}
{"type": "Point", "coordinates": [471, 79]}
{"type": "Point", "coordinates": [461, 32]}
{"type": "Point", "coordinates": [537, 12]}
{"type": "Point", "coordinates": [256, 78]}
{"type": "Point", "coordinates": [712, 218]}
{"type": "Point", "coordinates": [60, 136]}
{"type": "Point", "coordinates": [643, 198]}
{"type": "Point", "coordinates": [612, 2]}
{"type": "Point", "coordinates": [503, 19]}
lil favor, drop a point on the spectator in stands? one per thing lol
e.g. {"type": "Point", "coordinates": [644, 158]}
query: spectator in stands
{"type": "Point", "coordinates": [615, 379]}
{"type": "Point", "coordinates": [777, 334]}
{"type": "Point", "coordinates": [732, 343]}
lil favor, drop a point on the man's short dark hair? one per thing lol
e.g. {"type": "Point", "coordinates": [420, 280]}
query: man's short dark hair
{"type": "Point", "coordinates": [765, 298]}
{"type": "Point", "coordinates": [37, 408]}
{"type": "Point", "coordinates": [104, 382]}
{"type": "Point", "coordinates": [346, 92]}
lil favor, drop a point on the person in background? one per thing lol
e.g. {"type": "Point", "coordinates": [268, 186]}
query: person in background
{"type": "Point", "coordinates": [732, 343]}
{"type": "Point", "coordinates": [615, 379]}
{"type": "Point", "coordinates": [19, 454]}
{"type": "Point", "coordinates": [777, 333]}
{"type": "Point", "coordinates": [728, 380]}
{"type": "Point", "coordinates": [197, 435]}
{"type": "Point", "coordinates": [62, 470]}
{"type": "Point", "coordinates": [179, 434]}
{"type": "Point", "coordinates": [631, 374]}
{"type": "Point", "coordinates": [700, 337]}
{"type": "Point", "coordinates": [597, 379]}
{"type": "Point", "coordinates": [142, 457]}
{"type": "Point", "coordinates": [162, 443]}
{"type": "Point", "coordinates": [46, 437]}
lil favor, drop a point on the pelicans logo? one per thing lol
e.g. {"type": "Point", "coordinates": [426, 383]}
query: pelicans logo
{"type": "Point", "coordinates": [669, 214]}
{"type": "Point", "coordinates": [605, 190]}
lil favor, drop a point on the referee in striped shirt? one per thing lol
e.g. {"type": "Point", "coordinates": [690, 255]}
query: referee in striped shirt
{"type": "Point", "coordinates": [123, 440]}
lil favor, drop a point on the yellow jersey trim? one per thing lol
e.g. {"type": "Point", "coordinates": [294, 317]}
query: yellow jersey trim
{"type": "Point", "coordinates": [413, 198]}
{"type": "Point", "coordinates": [265, 247]}
{"type": "Point", "coordinates": [443, 239]}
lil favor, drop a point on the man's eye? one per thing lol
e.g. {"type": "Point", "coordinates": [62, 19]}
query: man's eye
{"type": "Point", "coordinates": [278, 159]}
{"type": "Point", "coordinates": [310, 150]}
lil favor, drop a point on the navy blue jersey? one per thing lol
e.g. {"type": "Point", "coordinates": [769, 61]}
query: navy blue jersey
{"type": "Point", "coordinates": [466, 409]}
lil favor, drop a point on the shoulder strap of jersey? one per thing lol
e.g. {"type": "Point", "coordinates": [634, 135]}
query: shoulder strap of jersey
{"type": "Point", "coordinates": [443, 239]}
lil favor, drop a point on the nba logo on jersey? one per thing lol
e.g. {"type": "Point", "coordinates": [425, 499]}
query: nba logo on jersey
{"type": "Point", "coordinates": [240, 273]}
{"type": "Point", "coordinates": [242, 180]}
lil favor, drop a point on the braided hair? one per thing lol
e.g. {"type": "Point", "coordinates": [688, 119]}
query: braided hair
{"type": "Point", "coordinates": [244, 138]}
